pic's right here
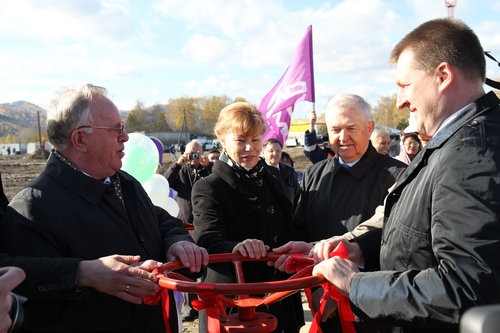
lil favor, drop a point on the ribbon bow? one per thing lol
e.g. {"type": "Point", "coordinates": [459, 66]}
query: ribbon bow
{"type": "Point", "coordinates": [344, 307]}
{"type": "Point", "coordinates": [212, 304]}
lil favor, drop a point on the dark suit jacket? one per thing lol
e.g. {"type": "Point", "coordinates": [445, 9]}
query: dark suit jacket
{"type": "Point", "coordinates": [66, 214]}
{"type": "Point", "coordinates": [288, 178]}
{"type": "Point", "coordinates": [335, 200]}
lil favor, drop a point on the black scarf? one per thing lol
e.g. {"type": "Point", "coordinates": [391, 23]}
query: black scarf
{"type": "Point", "coordinates": [255, 172]}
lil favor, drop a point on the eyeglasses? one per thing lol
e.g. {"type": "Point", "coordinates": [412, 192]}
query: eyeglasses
{"type": "Point", "coordinates": [120, 129]}
{"type": "Point", "coordinates": [412, 144]}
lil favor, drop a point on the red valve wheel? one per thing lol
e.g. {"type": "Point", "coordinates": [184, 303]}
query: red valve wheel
{"type": "Point", "coordinates": [247, 319]}
{"type": "Point", "coordinates": [302, 279]}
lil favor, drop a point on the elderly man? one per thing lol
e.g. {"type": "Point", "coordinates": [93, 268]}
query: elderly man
{"type": "Point", "coordinates": [440, 240]}
{"type": "Point", "coordinates": [381, 139]}
{"type": "Point", "coordinates": [334, 191]}
{"type": "Point", "coordinates": [341, 192]}
{"type": "Point", "coordinates": [82, 206]}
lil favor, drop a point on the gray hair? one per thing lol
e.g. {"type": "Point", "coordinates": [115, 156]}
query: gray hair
{"type": "Point", "coordinates": [350, 102]}
{"type": "Point", "coordinates": [70, 110]}
{"type": "Point", "coordinates": [379, 130]}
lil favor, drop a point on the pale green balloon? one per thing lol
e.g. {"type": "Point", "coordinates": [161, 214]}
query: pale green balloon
{"type": "Point", "coordinates": [140, 162]}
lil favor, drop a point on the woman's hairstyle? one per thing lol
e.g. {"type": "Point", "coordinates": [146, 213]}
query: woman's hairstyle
{"type": "Point", "coordinates": [70, 110]}
{"type": "Point", "coordinates": [444, 40]}
{"type": "Point", "coordinates": [240, 117]}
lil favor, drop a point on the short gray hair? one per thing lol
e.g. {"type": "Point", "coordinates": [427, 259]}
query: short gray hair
{"type": "Point", "coordinates": [379, 130]}
{"type": "Point", "coordinates": [70, 110]}
{"type": "Point", "coordinates": [352, 102]}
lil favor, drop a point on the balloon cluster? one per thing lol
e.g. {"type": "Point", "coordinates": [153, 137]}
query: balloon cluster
{"type": "Point", "coordinates": [142, 158]}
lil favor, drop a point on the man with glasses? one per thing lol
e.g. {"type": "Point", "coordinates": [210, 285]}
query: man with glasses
{"type": "Point", "coordinates": [83, 206]}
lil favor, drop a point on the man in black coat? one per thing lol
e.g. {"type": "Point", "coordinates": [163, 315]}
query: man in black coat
{"type": "Point", "coordinates": [341, 192]}
{"type": "Point", "coordinates": [286, 174]}
{"type": "Point", "coordinates": [440, 241]}
{"type": "Point", "coordinates": [83, 206]}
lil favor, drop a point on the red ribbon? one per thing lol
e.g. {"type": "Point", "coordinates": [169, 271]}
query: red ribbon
{"type": "Point", "coordinates": [343, 305]}
{"type": "Point", "coordinates": [212, 304]}
{"type": "Point", "coordinates": [164, 296]}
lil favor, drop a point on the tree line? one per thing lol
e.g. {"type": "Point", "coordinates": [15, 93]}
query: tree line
{"type": "Point", "coordinates": [201, 114]}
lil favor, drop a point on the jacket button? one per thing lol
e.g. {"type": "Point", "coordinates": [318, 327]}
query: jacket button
{"type": "Point", "coordinates": [270, 210]}
{"type": "Point", "coordinates": [473, 123]}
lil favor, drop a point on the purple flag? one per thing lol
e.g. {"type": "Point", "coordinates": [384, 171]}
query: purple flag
{"type": "Point", "coordinates": [296, 85]}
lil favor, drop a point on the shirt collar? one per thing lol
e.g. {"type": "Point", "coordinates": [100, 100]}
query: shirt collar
{"type": "Point", "coordinates": [350, 164]}
{"type": "Point", "coordinates": [450, 119]}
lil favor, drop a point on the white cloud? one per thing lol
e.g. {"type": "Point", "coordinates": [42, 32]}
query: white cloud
{"type": "Point", "coordinates": [109, 69]}
{"type": "Point", "coordinates": [58, 20]}
{"type": "Point", "coordinates": [205, 50]}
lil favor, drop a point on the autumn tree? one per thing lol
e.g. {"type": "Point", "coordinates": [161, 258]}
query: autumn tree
{"type": "Point", "coordinates": [210, 113]}
{"type": "Point", "coordinates": [386, 113]}
{"type": "Point", "coordinates": [136, 118]}
{"type": "Point", "coordinates": [161, 123]}
{"type": "Point", "coordinates": [179, 108]}
{"type": "Point", "coordinates": [200, 113]}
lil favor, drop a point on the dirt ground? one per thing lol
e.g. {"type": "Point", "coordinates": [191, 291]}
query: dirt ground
{"type": "Point", "coordinates": [18, 170]}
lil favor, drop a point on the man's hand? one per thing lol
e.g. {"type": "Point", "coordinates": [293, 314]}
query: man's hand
{"type": "Point", "coordinates": [183, 159]}
{"type": "Point", "coordinates": [116, 276]}
{"type": "Point", "coordinates": [204, 160]}
{"type": "Point", "coordinates": [290, 247]}
{"type": "Point", "coordinates": [312, 121]}
{"type": "Point", "coordinates": [338, 271]}
{"type": "Point", "coordinates": [322, 250]}
{"type": "Point", "coordinates": [10, 277]}
{"type": "Point", "coordinates": [253, 248]}
{"type": "Point", "coordinates": [191, 255]}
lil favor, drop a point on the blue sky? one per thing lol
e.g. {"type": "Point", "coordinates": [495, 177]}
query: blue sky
{"type": "Point", "coordinates": [155, 50]}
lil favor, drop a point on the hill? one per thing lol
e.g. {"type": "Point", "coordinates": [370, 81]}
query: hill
{"type": "Point", "coordinates": [20, 115]}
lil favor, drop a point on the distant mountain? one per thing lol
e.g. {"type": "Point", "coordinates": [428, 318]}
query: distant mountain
{"type": "Point", "coordinates": [20, 117]}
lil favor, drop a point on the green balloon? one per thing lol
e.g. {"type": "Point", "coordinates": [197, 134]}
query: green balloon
{"type": "Point", "coordinates": [139, 162]}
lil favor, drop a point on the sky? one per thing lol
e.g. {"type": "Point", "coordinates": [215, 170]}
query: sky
{"type": "Point", "coordinates": [156, 50]}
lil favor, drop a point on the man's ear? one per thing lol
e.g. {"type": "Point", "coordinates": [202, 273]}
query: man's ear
{"type": "Point", "coordinates": [371, 125]}
{"type": "Point", "coordinates": [79, 140]}
{"type": "Point", "coordinates": [445, 75]}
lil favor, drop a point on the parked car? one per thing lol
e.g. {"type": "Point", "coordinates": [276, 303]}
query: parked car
{"type": "Point", "coordinates": [209, 145]}
{"type": "Point", "coordinates": [292, 142]}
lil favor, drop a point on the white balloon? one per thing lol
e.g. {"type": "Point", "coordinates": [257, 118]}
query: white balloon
{"type": "Point", "coordinates": [158, 190]}
{"type": "Point", "coordinates": [172, 207]}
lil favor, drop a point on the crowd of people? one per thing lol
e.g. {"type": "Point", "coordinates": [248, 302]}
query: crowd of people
{"type": "Point", "coordinates": [420, 223]}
